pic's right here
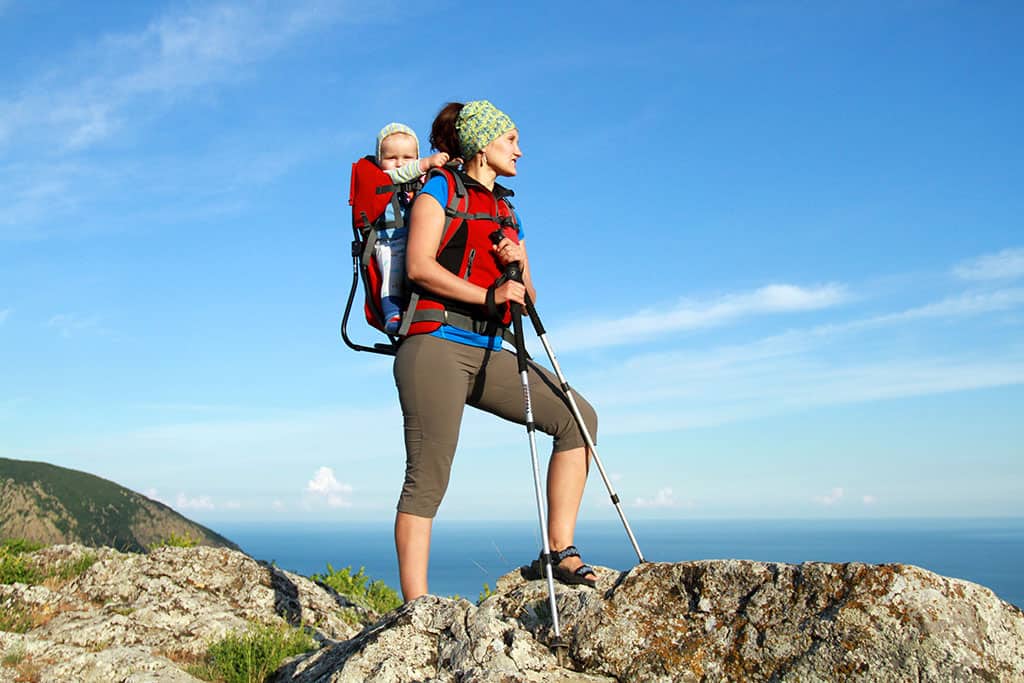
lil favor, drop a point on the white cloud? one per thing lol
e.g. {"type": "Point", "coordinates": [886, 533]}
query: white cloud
{"type": "Point", "coordinates": [662, 499]}
{"type": "Point", "coordinates": [1003, 265]}
{"type": "Point", "coordinates": [175, 54]}
{"type": "Point", "coordinates": [183, 502]}
{"type": "Point", "coordinates": [868, 499]}
{"type": "Point", "coordinates": [966, 304]}
{"type": "Point", "coordinates": [692, 315]}
{"type": "Point", "coordinates": [833, 497]}
{"type": "Point", "coordinates": [278, 506]}
{"type": "Point", "coordinates": [324, 484]}
{"type": "Point", "coordinates": [71, 324]}
{"type": "Point", "coordinates": [153, 494]}
{"type": "Point", "coordinates": [4, 313]}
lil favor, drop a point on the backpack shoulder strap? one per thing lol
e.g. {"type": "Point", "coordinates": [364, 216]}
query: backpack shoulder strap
{"type": "Point", "coordinates": [458, 201]}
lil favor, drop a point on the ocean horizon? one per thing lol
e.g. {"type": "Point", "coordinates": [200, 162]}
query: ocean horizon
{"type": "Point", "coordinates": [465, 555]}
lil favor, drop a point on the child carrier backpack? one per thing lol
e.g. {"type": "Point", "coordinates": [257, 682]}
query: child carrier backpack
{"type": "Point", "coordinates": [371, 192]}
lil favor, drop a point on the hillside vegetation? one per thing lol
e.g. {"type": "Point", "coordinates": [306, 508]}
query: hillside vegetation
{"type": "Point", "coordinates": [47, 504]}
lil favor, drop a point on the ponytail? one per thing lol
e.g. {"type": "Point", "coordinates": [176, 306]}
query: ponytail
{"type": "Point", "coordinates": [443, 136]}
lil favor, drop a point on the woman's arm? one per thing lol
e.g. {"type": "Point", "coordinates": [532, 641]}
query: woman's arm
{"type": "Point", "coordinates": [426, 225]}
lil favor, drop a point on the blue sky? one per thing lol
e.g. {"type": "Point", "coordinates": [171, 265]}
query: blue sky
{"type": "Point", "coordinates": [779, 245]}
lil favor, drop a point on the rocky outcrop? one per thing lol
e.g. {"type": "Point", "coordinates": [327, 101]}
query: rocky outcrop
{"type": "Point", "coordinates": [697, 621]}
{"type": "Point", "coordinates": [129, 616]}
{"type": "Point", "coordinates": [146, 617]}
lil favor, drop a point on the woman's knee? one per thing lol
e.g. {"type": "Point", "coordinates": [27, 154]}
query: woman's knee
{"type": "Point", "coordinates": [571, 434]}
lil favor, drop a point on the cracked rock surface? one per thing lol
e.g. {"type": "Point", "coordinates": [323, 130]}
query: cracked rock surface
{"type": "Point", "coordinates": [133, 617]}
{"type": "Point", "coordinates": [722, 620]}
{"type": "Point", "coordinates": [141, 618]}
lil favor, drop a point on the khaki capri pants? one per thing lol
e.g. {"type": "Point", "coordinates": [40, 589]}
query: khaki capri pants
{"type": "Point", "coordinates": [437, 378]}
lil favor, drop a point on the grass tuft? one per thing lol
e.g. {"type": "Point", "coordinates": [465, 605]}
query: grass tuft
{"type": "Point", "coordinates": [174, 540]}
{"type": "Point", "coordinates": [485, 593]}
{"type": "Point", "coordinates": [15, 618]}
{"type": "Point", "coordinates": [252, 656]}
{"type": "Point", "coordinates": [375, 595]}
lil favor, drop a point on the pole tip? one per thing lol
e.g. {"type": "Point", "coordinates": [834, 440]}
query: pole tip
{"type": "Point", "coordinates": [561, 651]}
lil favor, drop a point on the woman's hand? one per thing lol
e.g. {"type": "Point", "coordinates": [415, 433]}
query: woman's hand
{"type": "Point", "coordinates": [510, 291]}
{"type": "Point", "coordinates": [508, 252]}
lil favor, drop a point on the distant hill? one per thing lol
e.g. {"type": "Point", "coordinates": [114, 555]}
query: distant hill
{"type": "Point", "coordinates": [49, 504]}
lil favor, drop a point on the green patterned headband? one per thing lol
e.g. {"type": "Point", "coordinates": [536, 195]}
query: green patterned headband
{"type": "Point", "coordinates": [479, 123]}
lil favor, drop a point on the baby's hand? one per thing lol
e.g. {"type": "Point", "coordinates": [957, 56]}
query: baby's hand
{"type": "Point", "coordinates": [433, 161]}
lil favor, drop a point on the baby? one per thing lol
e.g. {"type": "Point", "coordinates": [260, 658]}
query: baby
{"type": "Point", "coordinates": [398, 155]}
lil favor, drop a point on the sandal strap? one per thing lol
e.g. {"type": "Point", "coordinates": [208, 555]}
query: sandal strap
{"type": "Point", "coordinates": [569, 551]}
{"type": "Point", "coordinates": [585, 569]}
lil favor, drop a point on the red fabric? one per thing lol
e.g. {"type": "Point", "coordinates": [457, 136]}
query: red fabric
{"type": "Point", "coordinates": [367, 205]}
{"type": "Point", "coordinates": [486, 268]}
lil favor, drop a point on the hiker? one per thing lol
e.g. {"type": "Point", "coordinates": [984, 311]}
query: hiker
{"type": "Point", "coordinates": [398, 155]}
{"type": "Point", "coordinates": [438, 372]}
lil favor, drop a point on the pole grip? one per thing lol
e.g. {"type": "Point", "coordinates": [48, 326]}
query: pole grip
{"type": "Point", "coordinates": [538, 326]}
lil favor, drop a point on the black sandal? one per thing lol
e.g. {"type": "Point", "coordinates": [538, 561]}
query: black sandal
{"type": "Point", "coordinates": [561, 574]}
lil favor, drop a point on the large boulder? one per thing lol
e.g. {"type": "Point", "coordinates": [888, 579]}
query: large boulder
{"type": "Point", "coordinates": [132, 615]}
{"type": "Point", "coordinates": [724, 620]}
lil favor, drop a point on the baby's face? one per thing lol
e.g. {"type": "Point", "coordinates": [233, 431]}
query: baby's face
{"type": "Point", "coordinates": [395, 150]}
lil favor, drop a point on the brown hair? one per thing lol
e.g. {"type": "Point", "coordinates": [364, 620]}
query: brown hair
{"type": "Point", "coordinates": [443, 136]}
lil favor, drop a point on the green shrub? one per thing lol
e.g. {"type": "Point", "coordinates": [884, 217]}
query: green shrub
{"type": "Point", "coordinates": [14, 568]}
{"type": "Point", "coordinates": [376, 595]}
{"type": "Point", "coordinates": [72, 568]}
{"type": "Point", "coordinates": [18, 546]}
{"type": "Point", "coordinates": [185, 540]}
{"type": "Point", "coordinates": [252, 656]}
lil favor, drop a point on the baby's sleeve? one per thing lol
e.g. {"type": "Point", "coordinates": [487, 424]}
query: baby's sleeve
{"type": "Point", "coordinates": [406, 173]}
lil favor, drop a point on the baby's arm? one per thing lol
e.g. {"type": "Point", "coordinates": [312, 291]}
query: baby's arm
{"type": "Point", "coordinates": [406, 173]}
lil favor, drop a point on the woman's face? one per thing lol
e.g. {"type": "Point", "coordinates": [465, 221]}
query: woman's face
{"type": "Point", "coordinates": [502, 153]}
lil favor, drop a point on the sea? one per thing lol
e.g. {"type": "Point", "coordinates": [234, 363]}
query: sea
{"type": "Point", "coordinates": [465, 555]}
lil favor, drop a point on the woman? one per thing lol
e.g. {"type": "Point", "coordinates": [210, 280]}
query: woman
{"type": "Point", "coordinates": [456, 266]}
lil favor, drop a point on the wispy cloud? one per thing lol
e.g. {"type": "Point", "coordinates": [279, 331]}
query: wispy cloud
{"type": "Point", "coordinates": [831, 498]}
{"type": "Point", "coordinates": [683, 394]}
{"type": "Point", "coordinates": [847, 362]}
{"type": "Point", "coordinates": [326, 486]}
{"type": "Point", "coordinates": [121, 84]}
{"type": "Point", "coordinates": [693, 315]}
{"type": "Point", "coordinates": [966, 304]}
{"type": "Point", "coordinates": [185, 502]}
{"type": "Point", "coordinates": [1003, 265]}
{"type": "Point", "coordinates": [664, 498]}
{"type": "Point", "coordinates": [4, 313]}
{"type": "Point", "coordinates": [92, 95]}
{"type": "Point", "coordinates": [73, 324]}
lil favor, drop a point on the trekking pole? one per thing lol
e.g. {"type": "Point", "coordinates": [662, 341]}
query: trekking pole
{"type": "Point", "coordinates": [513, 272]}
{"type": "Point", "coordinates": [542, 334]}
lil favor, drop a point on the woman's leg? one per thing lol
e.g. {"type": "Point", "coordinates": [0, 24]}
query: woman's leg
{"type": "Point", "coordinates": [412, 541]}
{"type": "Point", "coordinates": [567, 471]}
{"type": "Point", "coordinates": [432, 376]}
{"type": "Point", "coordinates": [567, 476]}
